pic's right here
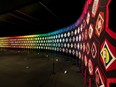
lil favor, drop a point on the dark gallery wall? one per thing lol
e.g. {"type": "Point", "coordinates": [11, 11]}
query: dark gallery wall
{"type": "Point", "coordinates": [91, 39]}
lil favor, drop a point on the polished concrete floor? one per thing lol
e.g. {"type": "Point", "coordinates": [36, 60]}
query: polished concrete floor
{"type": "Point", "coordinates": [38, 69]}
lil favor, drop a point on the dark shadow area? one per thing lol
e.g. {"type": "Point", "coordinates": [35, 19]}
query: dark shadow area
{"type": "Point", "coordinates": [112, 84]}
{"type": "Point", "coordinates": [112, 16]}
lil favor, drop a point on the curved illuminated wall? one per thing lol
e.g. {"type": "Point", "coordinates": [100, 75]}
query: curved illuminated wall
{"type": "Point", "coordinates": [88, 39]}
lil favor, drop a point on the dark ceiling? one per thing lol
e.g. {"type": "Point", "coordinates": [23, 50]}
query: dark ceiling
{"type": "Point", "coordinates": [23, 17]}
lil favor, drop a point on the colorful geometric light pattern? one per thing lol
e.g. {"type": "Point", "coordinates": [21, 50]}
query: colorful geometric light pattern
{"type": "Point", "coordinates": [82, 39]}
{"type": "Point", "coordinates": [99, 78]}
{"type": "Point", "coordinates": [107, 56]}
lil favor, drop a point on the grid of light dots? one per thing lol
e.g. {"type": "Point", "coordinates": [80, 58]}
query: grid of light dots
{"type": "Point", "coordinates": [63, 40]}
